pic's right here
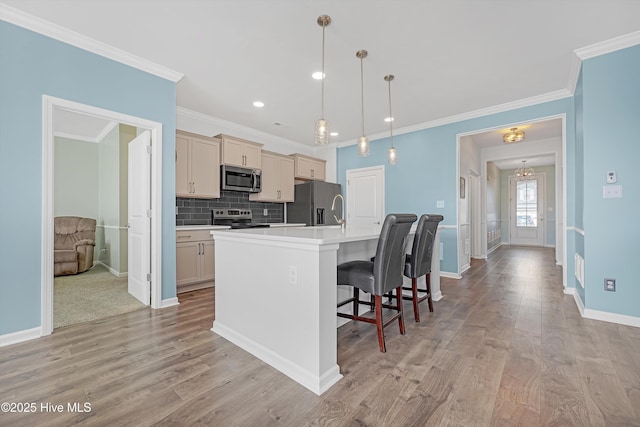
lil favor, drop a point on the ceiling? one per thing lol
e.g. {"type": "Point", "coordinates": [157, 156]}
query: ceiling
{"type": "Point", "coordinates": [449, 57]}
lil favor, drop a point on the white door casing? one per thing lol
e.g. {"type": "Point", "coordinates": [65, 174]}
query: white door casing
{"type": "Point", "coordinates": [138, 218]}
{"type": "Point", "coordinates": [526, 227]}
{"type": "Point", "coordinates": [365, 196]}
{"type": "Point", "coordinates": [49, 104]}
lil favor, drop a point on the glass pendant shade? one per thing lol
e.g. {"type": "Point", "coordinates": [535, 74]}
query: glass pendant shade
{"type": "Point", "coordinates": [363, 146]}
{"type": "Point", "coordinates": [322, 132]}
{"type": "Point", "coordinates": [393, 156]}
{"type": "Point", "coordinates": [524, 173]}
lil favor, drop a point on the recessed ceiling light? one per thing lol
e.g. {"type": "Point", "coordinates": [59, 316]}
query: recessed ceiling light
{"type": "Point", "coordinates": [258, 104]}
{"type": "Point", "coordinates": [334, 134]}
{"type": "Point", "coordinates": [389, 119]}
{"type": "Point", "coordinates": [318, 75]}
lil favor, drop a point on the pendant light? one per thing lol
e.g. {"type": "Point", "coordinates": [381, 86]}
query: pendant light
{"type": "Point", "coordinates": [322, 131]}
{"type": "Point", "coordinates": [524, 173]}
{"type": "Point", "coordinates": [393, 154]}
{"type": "Point", "coordinates": [363, 141]}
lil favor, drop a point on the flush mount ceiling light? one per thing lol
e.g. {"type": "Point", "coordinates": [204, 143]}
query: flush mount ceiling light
{"type": "Point", "coordinates": [514, 135]}
{"type": "Point", "coordinates": [363, 141]}
{"type": "Point", "coordinates": [258, 104]}
{"type": "Point", "coordinates": [318, 75]}
{"type": "Point", "coordinates": [393, 154]}
{"type": "Point", "coordinates": [524, 173]}
{"type": "Point", "coordinates": [322, 131]}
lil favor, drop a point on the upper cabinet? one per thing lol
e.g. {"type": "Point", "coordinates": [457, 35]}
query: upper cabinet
{"type": "Point", "coordinates": [197, 166]}
{"type": "Point", "coordinates": [309, 168]}
{"type": "Point", "coordinates": [277, 179]}
{"type": "Point", "coordinates": [240, 152]}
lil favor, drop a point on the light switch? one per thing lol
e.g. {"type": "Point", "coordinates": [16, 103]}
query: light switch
{"type": "Point", "coordinates": [612, 191]}
{"type": "Point", "coordinates": [440, 204]}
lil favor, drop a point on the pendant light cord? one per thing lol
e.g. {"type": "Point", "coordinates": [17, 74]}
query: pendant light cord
{"type": "Point", "coordinates": [362, 92]}
{"type": "Point", "coordinates": [390, 115]}
{"type": "Point", "coordinates": [322, 95]}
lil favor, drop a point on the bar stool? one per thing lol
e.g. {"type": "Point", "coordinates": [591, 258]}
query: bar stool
{"type": "Point", "coordinates": [418, 263]}
{"type": "Point", "coordinates": [380, 276]}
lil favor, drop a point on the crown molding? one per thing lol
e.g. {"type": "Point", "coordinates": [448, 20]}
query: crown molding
{"type": "Point", "coordinates": [608, 46]}
{"type": "Point", "coordinates": [527, 102]}
{"type": "Point", "coordinates": [574, 73]}
{"type": "Point", "coordinates": [57, 32]}
{"type": "Point", "coordinates": [233, 127]}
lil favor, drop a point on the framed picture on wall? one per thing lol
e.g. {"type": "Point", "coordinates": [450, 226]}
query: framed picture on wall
{"type": "Point", "coordinates": [463, 190]}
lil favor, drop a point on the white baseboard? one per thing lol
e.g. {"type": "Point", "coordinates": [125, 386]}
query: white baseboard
{"type": "Point", "coordinates": [316, 383]}
{"type": "Point", "coordinates": [437, 296]}
{"type": "Point", "coordinates": [169, 302]}
{"type": "Point", "coordinates": [20, 336]}
{"type": "Point", "coordinates": [450, 275]}
{"type": "Point", "coordinates": [494, 248]}
{"type": "Point", "coordinates": [111, 270]}
{"type": "Point", "coordinates": [605, 316]}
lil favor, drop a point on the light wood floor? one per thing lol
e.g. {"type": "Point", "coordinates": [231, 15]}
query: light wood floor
{"type": "Point", "coordinates": [504, 347]}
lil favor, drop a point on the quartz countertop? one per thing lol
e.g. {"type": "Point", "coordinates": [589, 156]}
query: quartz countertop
{"type": "Point", "coordinates": [309, 235]}
{"type": "Point", "coordinates": [201, 227]}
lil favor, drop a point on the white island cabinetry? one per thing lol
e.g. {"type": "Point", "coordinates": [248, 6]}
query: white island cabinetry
{"type": "Point", "coordinates": [283, 308]}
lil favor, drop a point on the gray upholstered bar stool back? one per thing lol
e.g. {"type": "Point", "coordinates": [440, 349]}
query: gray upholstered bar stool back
{"type": "Point", "coordinates": [380, 276]}
{"type": "Point", "coordinates": [418, 263]}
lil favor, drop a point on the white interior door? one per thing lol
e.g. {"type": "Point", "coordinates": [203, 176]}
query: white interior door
{"type": "Point", "coordinates": [365, 196]}
{"type": "Point", "coordinates": [526, 207]}
{"type": "Point", "coordinates": [139, 221]}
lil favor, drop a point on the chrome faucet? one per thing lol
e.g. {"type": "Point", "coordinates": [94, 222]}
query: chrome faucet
{"type": "Point", "coordinates": [340, 221]}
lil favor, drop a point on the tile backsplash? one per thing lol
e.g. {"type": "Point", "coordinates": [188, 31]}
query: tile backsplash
{"type": "Point", "coordinates": [198, 211]}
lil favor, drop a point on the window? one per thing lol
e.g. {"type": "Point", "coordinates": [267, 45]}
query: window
{"type": "Point", "coordinates": [527, 203]}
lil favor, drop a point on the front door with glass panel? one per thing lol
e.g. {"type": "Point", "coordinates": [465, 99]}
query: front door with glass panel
{"type": "Point", "coordinates": [526, 207]}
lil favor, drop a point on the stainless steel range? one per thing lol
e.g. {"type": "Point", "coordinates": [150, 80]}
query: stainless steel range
{"type": "Point", "coordinates": [235, 218]}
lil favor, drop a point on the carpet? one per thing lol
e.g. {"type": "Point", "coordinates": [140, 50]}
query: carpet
{"type": "Point", "coordinates": [92, 295]}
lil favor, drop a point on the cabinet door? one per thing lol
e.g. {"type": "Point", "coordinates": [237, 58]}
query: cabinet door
{"type": "Point", "coordinates": [253, 156]}
{"type": "Point", "coordinates": [207, 261]}
{"type": "Point", "coordinates": [205, 169]}
{"type": "Point", "coordinates": [183, 179]}
{"type": "Point", "coordinates": [233, 152]}
{"type": "Point", "coordinates": [286, 180]}
{"type": "Point", "coordinates": [270, 177]}
{"type": "Point", "coordinates": [187, 260]}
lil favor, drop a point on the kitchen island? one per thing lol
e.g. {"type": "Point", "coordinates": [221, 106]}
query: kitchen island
{"type": "Point", "coordinates": [276, 294]}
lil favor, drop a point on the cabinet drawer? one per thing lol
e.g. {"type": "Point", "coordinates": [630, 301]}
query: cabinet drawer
{"type": "Point", "coordinates": [193, 235]}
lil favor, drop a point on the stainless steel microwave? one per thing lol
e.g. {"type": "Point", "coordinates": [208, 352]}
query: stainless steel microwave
{"type": "Point", "coordinates": [234, 178]}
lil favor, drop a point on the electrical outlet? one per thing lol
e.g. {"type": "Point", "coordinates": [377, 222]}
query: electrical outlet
{"type": "Point", "coordinates": [610, 285]}
{"type": "Point", "coordinates": [265, 212]}
{"type": "Point", "coordinates": [293, 274]}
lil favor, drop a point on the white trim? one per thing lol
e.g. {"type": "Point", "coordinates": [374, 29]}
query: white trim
{"type": "Point", "coordinates": [501, 108]}
{"type": "Point", "coordinates": [604, 316]}
{"type": "Point", "coordinates": [230, 127]}
{"type": "Point", "coordinates": [169, 302]}
{"type": "Point", "coordinates": [48, 105]}
{"type": "Point", "coordinates": [112, 270]}
{"type": "Point", "coordinates": [20, 336]}
{"type": "Point", "coordinates": [576, 229]}
{"type": "Point", "coordinates": [65, 35]}
{"type": "Point", "coordinates": [574, 73]}
{"type": "Point", "coordinates": [315, 383]}
{"type": "Point", "coordinates": [450, 275]}
{"type": "Point", "coordinates": [608, 46]}
{"type": "Point", "coordinates": [112, 227]}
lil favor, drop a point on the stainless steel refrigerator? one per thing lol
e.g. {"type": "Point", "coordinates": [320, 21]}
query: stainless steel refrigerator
{"type": "Point", "coordinates": [312, 204]}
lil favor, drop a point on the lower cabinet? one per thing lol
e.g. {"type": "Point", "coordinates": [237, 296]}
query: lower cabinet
{"type": "Point", "coordinates": [195, 260]}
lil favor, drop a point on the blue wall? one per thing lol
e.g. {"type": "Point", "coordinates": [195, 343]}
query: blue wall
{"type": "Point", "coordinates": [32, 66]}
{"type": "Point", "coordinates": [426, 169]}
{"type": "Point", "coordinates": [611, 108]}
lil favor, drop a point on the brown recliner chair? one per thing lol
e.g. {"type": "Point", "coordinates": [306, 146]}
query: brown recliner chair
{"type": "Point", "coordinates": [73, 244]}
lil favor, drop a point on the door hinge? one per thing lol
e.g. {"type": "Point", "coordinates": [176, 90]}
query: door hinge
{"type": "Point", "coordinates": [149, 150]}
{"type": "Point", "coordinates": [148, 213]}
{"type": "Point", "coordinates": [148, 277]}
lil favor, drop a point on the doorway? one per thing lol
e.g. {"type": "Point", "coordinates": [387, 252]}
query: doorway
{"type": "Point", "coordinates": [154, 214]}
